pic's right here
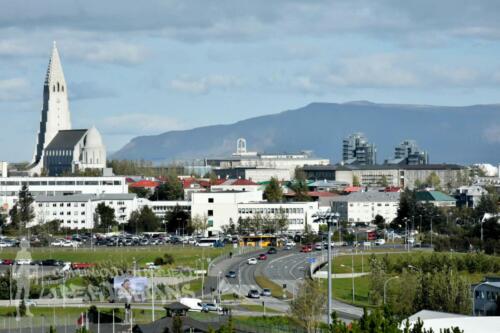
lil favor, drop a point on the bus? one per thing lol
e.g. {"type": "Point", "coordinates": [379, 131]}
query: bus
{"type": "Point", "coordinates": [209, 242]}
{"type": "Point", "coordinates": [259, 241]}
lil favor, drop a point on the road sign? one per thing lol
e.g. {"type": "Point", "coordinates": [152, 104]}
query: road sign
{"type": "Point", "coordinates": [311, 260]}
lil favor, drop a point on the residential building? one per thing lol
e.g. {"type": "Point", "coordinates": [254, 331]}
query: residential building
{"type": "Point", "coordinates": [365, 206]}
{"type": "Point", "coordinates": [4, 169]}
{"type": "Point", "coordinates": [255, 174]}
{"type": "Point", "coordinates": [438, 199]}
{"type": "Point", "coordinates": [408, 152]}
{"type": "Point", "coordinates": [486, 295]}
{"type": "Point", "coordinates": [329, 172]}
{"type": "Point", "coordinates": [357, 150]}
{"type": "Point", "coordinates": [78, 211]}
{"type": "Point", "coordinates": [469, 196]}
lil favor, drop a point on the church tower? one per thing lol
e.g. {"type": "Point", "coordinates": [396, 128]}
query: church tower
{"type": "Point", "coordinates": [55, 109]}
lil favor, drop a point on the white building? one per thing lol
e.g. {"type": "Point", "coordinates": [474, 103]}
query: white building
{"type": "Point", "coordinates": [4, 169]}
{"type": "Point", "coordinates": [223, 208]}
{"type": "Point", "coordinates": [78, 211]}
{"type": "Point", "coordinates": [364, 206]}
{"type": "Point", "coordinates": [242, 185]}
{"type": "Point", "coordinates": [59, 149]}
{"type": "Point", "coordinates": [54, 186]}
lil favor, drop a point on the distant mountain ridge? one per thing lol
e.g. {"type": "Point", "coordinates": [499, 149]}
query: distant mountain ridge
{"type": "Point", "coordinates": [466, 134]}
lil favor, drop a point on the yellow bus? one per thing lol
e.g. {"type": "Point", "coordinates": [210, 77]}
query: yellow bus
{"type": "Point", "coordinates": [259, 241]}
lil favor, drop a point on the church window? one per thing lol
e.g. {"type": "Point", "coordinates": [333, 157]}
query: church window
{"type": "Point", "coordinates": [54, 88]}
{"type": "Point", "coordinates": [58, 86]}
{"type": "Point", "coordinates": [62, 88]}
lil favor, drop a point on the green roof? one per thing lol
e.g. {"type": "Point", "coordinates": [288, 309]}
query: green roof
{"type": "Point", "coordinates": [433, 196]}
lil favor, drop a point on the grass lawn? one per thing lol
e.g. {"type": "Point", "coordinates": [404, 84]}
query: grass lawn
{"type": "Point", "coordinates": [276, 290]}
{"type": "Point", "coordinates": [342, 290]}
{"type": "Point", "coordinates": [256, 308]}
{"type": "Point", "coordinates": [184, 256]}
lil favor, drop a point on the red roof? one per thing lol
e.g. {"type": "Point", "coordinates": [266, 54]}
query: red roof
{"type": "Point", "coordinates": [240, 182]}
{"type": "Point", "coordinates": [145, 184]}
{"type": "Point", "coordinates": [392, 189]}
{"type": "Point", "coordinates": [321, 194]}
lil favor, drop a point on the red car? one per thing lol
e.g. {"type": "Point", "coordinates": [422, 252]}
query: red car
{"type": "Point", "coordinates": [262, 256]}
{"type": "Point", "coordinates": [306, 248]}
{"type": "Point", "coordinates": [7, 262]}
{"type": "Point", "coordinates": [77, 265]}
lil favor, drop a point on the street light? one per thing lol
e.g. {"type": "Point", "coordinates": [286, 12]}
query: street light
{"type": "Point", "coordinates": [385, 287]}
{"type": "Point", "coordinates": [331, 218]}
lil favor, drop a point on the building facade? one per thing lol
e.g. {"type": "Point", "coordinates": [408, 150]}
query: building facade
{"type": "Point", "coordinates": [486, 296]}
{"type": "Point", "coordinates": [365, 206]}
{"type": "Point", "coordinates": [357, 150]}
{"type": "Point", "coordinates": [408, 152]}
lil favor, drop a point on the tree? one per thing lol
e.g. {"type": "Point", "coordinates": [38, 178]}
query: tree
{"type": "Point", "coordinates": [199, 224]}
{"type": "Point", "coordinates": [299, 186]}
{"type": "Point", "coordinates": [141, 192]}
{"type": "Point", "coordinates": [433, 181]}
{"type": "Point", "coordinates": [177, 324]}
{"type": "Point", "coordinates": [273, 191]}
{"type": "Point", "coordinates": [25, 210]}
{"type": "Point", "coordinates": [106, 216]}
{"type": "Point", "coordinates": [178, 219]}
{"type": "Point", "coordinates": [383, 181]}
{"type": "Point", "coordinates": [281, 221]}
{"type": "Point", "coordinates": [355, 181]}
{"type": "Point", "coordinates": [487, 204]}
{"type": "Point", "coordinates": [143, 220]}
{"type": "Point", "coordinates": [308, 306]}
{"type": "Point", "coordinates": [379, 221]}
{"type": "Point", "coordinates": [171, 189]}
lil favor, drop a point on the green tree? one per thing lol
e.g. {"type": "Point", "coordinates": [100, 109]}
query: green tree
{"type": "Point", "coordinates": [25, 208]}
{"type": "Point", "coordinates": [308, 306]}
{"type": "Point", "coordinates": [171, 189]}
{"type": "Point", "coordinates": [177, 324]}
{"type": "Point", "coordinates": [281, 221]}
{"type": "Point", "coordinates": [383, 181]}
{"type": "Point", "coordinates": [178, 220]}
{"type": "Point", "coordinates": [273, 191]}
{"type": "Point", "coordinates": [433, 181]}
{"type": "Point", "coordinates": [299, 186]}
{"type": "Point", "coordinates": [106, 216]}
{"type": "Point", "coordinates": [141, 192]}
{"type": "Point", "coordinates": [199, 224]}
{"type": "Point", "coordinates": [379, 221]}
{"type": "Point", "coordinates": [487, 204]}
{"type": "Point", "coordinates": [52, 329]}
{"type": "Point", "coordinates": [144, 220]}
{"type": "Point", "coordinates": [355, 181]}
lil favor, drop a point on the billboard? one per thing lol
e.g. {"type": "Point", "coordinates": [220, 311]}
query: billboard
{"type": "Point", "coordinates": [130, 289]}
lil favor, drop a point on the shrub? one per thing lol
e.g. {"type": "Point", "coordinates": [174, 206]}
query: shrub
{"type": "Point", "coordinates": [168, 259]}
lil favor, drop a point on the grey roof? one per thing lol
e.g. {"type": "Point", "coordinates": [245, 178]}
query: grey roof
{"type": "Point", "coordinates": [84, 197]}
{"type": "Point", "coordinates": [495, 284]}
{"type": "Point", "coordinates": [327, 183]}
{"type": "Point", "coordinates": [383, 167]}
{"type": "Point", "coordinates": [66, 139]}
{"type": "Point", "coordinates": [371, 196]}
{"type": "Point", "coordinates": [428, 314]}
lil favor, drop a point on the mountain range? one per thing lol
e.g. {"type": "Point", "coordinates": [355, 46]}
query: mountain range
{"type": "Point", "coordinates": [464, 134]}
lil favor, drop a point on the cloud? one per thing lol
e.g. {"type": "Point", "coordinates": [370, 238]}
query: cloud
{"type": "Point", "coordinates": [116, 52]}
{"type": "Point", "coordinates": [89, 90]}
{"type": "Point", "coordinates": [13, 89]}
{"type": "Point", "coordinates": [195, 20]}
{"type": "Point", "coordinates": [492, 134]}
{"type": "Point", "coordinates": [203, 85]}
{"type": "Point", "coordinates": [139, 124]}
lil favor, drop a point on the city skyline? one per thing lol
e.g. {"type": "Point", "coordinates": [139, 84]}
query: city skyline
{"type": "Point", "coordinates": [173, 66]}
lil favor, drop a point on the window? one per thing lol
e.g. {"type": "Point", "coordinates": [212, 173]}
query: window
{"type": "Point", "coordinates": [210, 200]}
{"type": "Point", "coordinates": [210, 212]}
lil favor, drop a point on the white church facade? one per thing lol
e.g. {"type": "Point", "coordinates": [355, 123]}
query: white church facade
{"type": "Point", "coordinates": [60, 149]}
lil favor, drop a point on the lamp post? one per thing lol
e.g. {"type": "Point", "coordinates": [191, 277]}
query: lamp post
{"type": "Point", "coordinates": [330, 218]}
{"type": "Point", "coordinates": [385, 287]}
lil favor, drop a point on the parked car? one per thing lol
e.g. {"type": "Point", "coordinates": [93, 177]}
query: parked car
{"type": "Point", "coordinates": [265, 292]}
{"type": "Point", "coordinates": [252, 261]}
{"type": "Point", "coordinates": [253, 293]}
{"type": "Point", "coordinates": [380, 241]}
{"type": "Point", "coordinates": [23, 262]}
{"type": "Point", "coordinates": [231, 275]}
{"type": "Point", "coordinates": [318, 246]}
{"type": "Point", "coordinates": [262, 256]}
{"type": "Point", "coordinates": [57, 242]}
{"type": "Point", "coordinates": [306, 248]}
{"type": "Point", "coordinates": [287, 247]}
{"type": "Point", "coordinates": [30, 303]}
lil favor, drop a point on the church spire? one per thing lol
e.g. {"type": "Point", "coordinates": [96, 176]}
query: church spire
{"type": "Point", "coordinates": [55, 72]}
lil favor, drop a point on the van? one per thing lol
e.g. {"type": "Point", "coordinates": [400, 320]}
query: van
{"type": "Point", "coordinates": [194, 304]}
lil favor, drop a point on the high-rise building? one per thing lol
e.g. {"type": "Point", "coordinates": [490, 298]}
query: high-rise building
{"type": "Point", "coordinates": [408, 152]}
{"type": "Point", "coordinates": [357, 150]}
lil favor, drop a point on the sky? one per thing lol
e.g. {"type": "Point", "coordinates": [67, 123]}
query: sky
{"type": "Point", "coordinates": [145, 67]}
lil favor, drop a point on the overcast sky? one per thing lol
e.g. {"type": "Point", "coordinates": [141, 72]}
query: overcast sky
{"type": "Point", "coordinates": [145, 67]}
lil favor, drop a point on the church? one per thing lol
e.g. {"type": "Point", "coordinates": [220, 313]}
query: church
{"type": "Point", "coordinates": [61, 150]}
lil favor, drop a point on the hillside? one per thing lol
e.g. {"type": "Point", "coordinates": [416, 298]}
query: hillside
{"type": "Point", "coordinates": [451, 134]}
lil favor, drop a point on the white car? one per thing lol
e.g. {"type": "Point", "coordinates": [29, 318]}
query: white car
{"type": "Point", "coordinates": [252, 261]}
{"type": "Point", "coordinates": [23, 262]}
{"type": "Point", "coordinates": [67, 243]}
{"type": "Point", "coordinates": [380, 241]}
{"type": "Point", "coordinates": [57, 242]}
{"type": "Point", "coordinates": [30, 303]}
